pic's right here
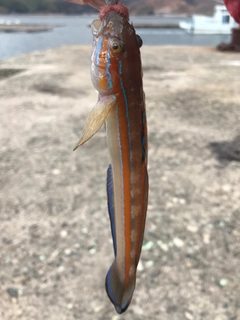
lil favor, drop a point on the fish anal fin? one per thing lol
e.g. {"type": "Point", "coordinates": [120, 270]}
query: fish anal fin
{"type": "Point", "coordinates": [96, 118]}
{"type": "Point", "coordinates": [111, 209]}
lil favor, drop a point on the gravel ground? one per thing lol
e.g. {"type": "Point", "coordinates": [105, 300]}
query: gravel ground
{"type": "Point", "coordinates": [55, 242]}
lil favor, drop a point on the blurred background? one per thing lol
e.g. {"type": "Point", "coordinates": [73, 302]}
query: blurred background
{"type": "Point", "coordinates": [55, 240]}
{"type": "Point", "coordinates": [64, 23]}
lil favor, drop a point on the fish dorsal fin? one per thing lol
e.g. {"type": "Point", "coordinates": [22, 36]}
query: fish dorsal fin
{"type": "Point", "coordinates": [111, 209]}
{"type": "Point", "coordinates": [96, 118]}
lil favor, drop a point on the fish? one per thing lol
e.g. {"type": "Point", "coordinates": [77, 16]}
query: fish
{"type": "Point", "coordinates": [116, 72]}
{"type": "Point", "coordinates": [233, 7]}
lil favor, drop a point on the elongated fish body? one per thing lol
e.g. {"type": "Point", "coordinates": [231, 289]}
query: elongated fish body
{"type": "Point", "coordinates": [117, 75]}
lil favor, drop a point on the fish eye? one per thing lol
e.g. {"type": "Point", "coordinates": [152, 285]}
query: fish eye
{"type": "Point", "coordinates": [139, 41]}
{"type": "Point", "coordinates": [116, 45]}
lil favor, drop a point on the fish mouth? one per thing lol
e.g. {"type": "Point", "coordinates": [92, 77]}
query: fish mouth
{"type": "Point", "coordinates": [96, 26]}
{"type": "Point", "coordinates": [113, 20]}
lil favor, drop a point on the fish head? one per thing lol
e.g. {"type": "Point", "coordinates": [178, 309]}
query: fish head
{"type": "Point", "coordinates": [115, 51]}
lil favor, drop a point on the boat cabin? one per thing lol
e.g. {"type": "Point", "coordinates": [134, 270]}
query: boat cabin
{"type": "Point", "coordinates": [220, 23]}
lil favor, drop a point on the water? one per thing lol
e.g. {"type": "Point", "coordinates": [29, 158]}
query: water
{"type": "Point", "coordinates": [75, 31]}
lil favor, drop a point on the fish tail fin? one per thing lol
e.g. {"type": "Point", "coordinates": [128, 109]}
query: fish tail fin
{"type": "Point", "coordinates": [118, 292]}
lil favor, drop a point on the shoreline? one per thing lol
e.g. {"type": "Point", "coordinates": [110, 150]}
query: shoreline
{"type": "Point", "coordinates": [87, 47]}
{"type": "Point", "coordinates": [31, 55]}
{"type": "Point", "coordinates": [41, 53]}
{"type": "Point", "coordinates": [32, 28]}
{"type": "Point", "coordinates": [170, 16]}
{"type": "Point", "coordinates": [27, 28]}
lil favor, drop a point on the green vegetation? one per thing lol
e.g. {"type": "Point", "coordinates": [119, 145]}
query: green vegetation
{"type": "Point", "coordinates": [41, 6]}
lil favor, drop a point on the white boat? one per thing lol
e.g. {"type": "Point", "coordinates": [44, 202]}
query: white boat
{"type": "Point", "coordinates": [220, 23]}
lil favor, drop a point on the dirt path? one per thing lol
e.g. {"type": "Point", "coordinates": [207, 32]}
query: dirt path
{"type": "Point", "coordinates": [55, 244]}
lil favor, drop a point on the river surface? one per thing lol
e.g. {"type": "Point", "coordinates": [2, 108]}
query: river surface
{"type": "Point", "coordinates": [75, 30]}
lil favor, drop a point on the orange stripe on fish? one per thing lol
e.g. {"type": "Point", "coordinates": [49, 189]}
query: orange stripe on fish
{"type": "Point", "coordinates": [116, 73]}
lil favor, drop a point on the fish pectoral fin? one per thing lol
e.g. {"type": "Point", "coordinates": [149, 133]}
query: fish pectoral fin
{"type": "Point", "coordinates": [96, 118]}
